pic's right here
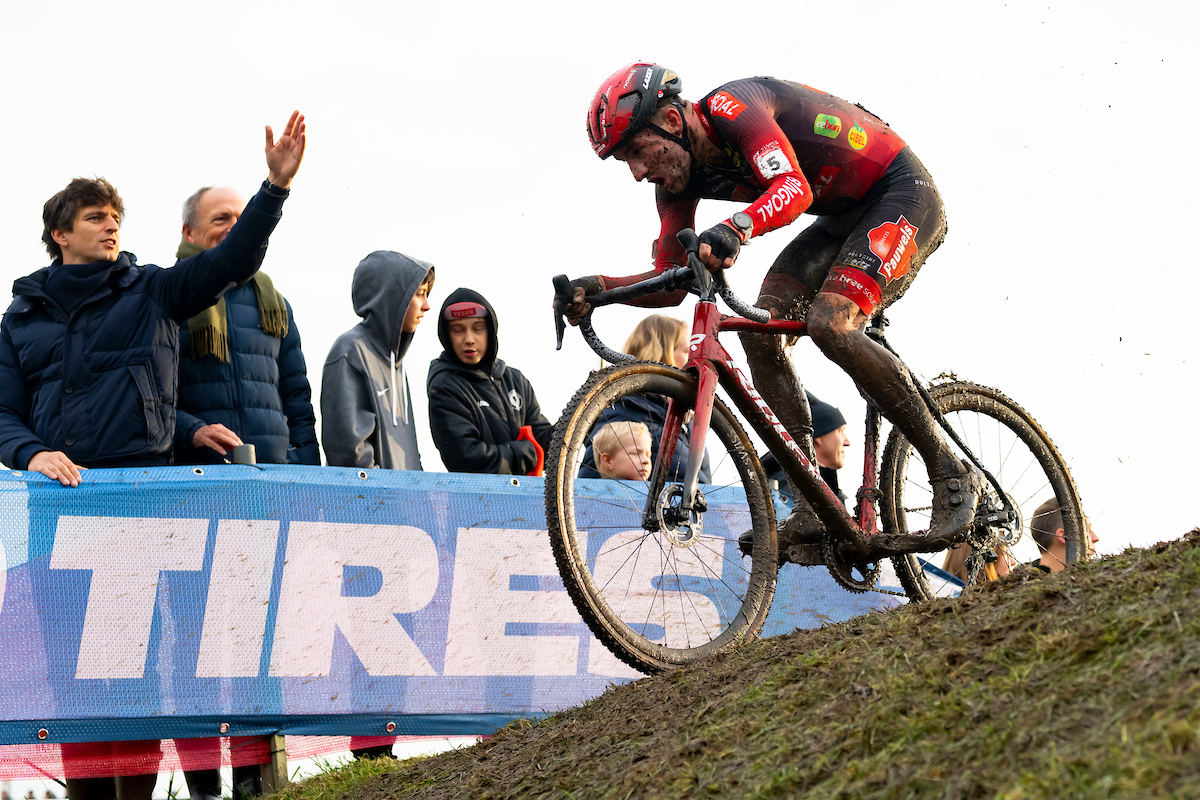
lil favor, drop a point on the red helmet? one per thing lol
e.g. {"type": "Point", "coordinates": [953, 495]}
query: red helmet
{"type": "Point", "coordinates": [625, 102]}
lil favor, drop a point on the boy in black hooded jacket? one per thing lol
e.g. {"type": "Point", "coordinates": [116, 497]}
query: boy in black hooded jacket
{"type": "Point", "coordinates": [477, 404]}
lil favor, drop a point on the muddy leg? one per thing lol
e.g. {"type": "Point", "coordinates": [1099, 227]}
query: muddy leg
{"type": "Point", "coordinates": [776, 380]}
{"type": "Point", "coordinates": [771, 364]}
{"type": "Point", "coordinates": [836, 325]}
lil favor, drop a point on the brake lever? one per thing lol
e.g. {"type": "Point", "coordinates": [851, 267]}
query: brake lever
{"type": "Point", "coordinates": [562, 292]}
{"type": "Point", "coordinates": [691, 245]}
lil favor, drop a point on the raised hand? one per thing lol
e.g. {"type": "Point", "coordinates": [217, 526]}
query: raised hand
{"type": "Point", "coordinates": [284, 156]}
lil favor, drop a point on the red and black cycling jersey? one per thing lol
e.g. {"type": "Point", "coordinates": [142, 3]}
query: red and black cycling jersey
{"type": "Point", "coordinates": [787, 148]}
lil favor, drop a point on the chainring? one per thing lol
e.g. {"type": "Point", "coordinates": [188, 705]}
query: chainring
{"type": "Point", "coordinates": [843, 571]}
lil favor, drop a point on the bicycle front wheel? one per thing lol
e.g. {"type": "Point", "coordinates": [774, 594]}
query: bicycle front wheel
{"type": "Point", "coordinates": [1015, 449]}
{"type": "Point", "coordinates": [663, 593]}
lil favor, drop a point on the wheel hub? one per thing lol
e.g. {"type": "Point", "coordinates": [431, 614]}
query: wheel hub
{"type": "Point", "coordinates": [682, 527]}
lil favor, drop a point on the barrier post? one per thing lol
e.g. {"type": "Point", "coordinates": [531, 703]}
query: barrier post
{"type": "Point", "coordinates": [274, 772]}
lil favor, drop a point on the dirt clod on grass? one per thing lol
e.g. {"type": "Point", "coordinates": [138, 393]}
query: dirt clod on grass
{"type": "Point", "coordinates": [1080, 684]}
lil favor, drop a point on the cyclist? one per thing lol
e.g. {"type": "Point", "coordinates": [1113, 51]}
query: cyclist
{"type": "Point", "coordinates": [784, 148]}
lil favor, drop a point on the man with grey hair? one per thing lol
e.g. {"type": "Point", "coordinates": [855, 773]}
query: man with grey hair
{"type": "Point", "coordinates": [242, 380]}
{"type": "Point", "coordinates": [242, 376]}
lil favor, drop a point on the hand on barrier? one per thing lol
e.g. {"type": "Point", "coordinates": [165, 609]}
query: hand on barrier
{"type": "Point", "coordinates": [55, 464]}
{"type": "Point", "coordinates": [216, 437]}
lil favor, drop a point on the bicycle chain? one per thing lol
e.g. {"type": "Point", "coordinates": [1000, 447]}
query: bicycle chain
{"type": "Point", "coordinates": [980, 546]}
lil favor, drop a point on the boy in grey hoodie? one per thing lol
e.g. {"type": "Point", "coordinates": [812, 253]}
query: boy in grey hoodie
{"type": "Point", "coordinates": [366, 411]}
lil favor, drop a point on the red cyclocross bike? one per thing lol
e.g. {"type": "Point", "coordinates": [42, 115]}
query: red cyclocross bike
{"type": "Point", "coordinates": [654, 567]}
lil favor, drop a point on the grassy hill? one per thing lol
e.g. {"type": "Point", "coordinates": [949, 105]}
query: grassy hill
{"type": "Point", "coordinates": [1077, 685]}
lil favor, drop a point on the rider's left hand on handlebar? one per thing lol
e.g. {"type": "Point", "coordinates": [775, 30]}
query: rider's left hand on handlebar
{"type": "Point", "coordinates": [719, 247]}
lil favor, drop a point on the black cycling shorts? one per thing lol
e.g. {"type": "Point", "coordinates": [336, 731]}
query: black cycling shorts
{"type": "Point", "coordinates": [869, 253]}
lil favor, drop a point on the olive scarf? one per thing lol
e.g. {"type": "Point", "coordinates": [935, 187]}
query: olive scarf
{"type": "Point", "coordinates": [208, 334]}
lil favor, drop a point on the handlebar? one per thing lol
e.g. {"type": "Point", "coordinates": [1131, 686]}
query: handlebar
{"type": "Point", "coordinates": [695, 278]}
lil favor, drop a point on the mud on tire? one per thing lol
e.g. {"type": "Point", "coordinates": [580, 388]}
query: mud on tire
{"type": "Point", "coordinates": [1009, 443]}
{"type": "Point", "coordinates": [659, 598]}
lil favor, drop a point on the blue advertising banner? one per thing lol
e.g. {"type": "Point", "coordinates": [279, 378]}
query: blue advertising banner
{"type": "Point", "coordinates": [242, 600]}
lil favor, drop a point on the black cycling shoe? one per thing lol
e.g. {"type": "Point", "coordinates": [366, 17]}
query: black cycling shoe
{"type": "Point", "coordinates": [955, 498]}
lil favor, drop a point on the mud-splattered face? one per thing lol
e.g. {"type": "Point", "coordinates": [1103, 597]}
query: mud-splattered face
{"type": "Point", "coordinates": [651, 157]}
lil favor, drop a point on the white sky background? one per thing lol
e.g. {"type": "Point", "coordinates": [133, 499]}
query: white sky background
{"type": "Point", "coordinates": [1058, 134]}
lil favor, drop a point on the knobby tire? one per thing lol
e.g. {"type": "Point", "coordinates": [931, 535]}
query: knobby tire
{"type": "Point", "coordinates": [654, 602]}
{"type": "Point", "coordinates": [1009, 443]}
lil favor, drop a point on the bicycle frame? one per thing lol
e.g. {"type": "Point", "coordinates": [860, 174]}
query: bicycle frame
{"type": "Point", "coordinates": [713, 366]}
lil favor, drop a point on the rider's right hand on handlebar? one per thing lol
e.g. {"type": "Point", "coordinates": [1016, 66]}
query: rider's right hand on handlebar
{"type": "Point", "coordinates": [578, 307]}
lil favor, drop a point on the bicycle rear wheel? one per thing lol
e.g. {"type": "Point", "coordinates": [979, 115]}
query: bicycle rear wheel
{"type": "Point", "coordinates": [659, 598]}
{"type": "Point", "coordinates": [1014, 448]}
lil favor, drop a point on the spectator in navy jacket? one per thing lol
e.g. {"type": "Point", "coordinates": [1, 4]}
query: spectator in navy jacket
{"type": "Point", "coordinates": [242, 377]}
{"type": "Point", "coordinates": [89, 348]}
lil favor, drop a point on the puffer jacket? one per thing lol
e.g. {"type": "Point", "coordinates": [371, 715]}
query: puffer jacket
{"type": "Point", "coordinates": [476, 412]}
{"type": "Point", "coordinates": [100, 384]}
{"type": "Point", "coordinates": [262, 394]}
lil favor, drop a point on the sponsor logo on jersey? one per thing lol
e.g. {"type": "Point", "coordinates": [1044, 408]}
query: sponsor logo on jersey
{"type": "Point", "coordinates": [514, 399]}
{"type": "Point", "coordinates": [772, 161]}
{"type": "Point", "coordinates": [895, 243]}
{"type": "Point", "coordinates": [823, 179]}
{"type": "Point", "coordinates": [780, 198]}
{"type": "Point", "coordinates": [827, 125]}
{"type": "Point", "coordinates": [857, 136]}
{"type": "Point", "coordinates": [726, 105]}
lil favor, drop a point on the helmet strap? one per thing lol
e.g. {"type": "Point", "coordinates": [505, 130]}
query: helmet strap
{"type": "Point", "coordinates": [683, 140]}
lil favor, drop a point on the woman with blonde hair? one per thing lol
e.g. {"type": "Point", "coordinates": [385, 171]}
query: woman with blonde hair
{"type": "Point", "coordinates": [665, 340]}
{"type": "Point", "coordinates": [659, 338]}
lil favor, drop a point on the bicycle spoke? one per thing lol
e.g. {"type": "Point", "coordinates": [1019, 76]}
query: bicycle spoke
{"type": "Point", "coordinates": [1008, 444]}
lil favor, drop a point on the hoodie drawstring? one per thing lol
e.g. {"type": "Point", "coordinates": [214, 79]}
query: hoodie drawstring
{"type": "Point", "coordinates": [399, 391]}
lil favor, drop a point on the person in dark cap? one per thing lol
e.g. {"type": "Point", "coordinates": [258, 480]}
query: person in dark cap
{"type": "Point", "coordinates": [829, 442]}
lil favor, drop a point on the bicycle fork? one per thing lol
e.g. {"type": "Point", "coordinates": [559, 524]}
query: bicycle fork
{"type": "Point", "coordinates": [704, 350]}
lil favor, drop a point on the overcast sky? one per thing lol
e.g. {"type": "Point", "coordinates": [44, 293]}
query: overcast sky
{"type": "Point", "coordinates": [455, 133]}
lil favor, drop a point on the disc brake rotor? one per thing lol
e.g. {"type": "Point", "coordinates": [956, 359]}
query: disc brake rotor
{"type": "Point", "coordinates": [681, 528]}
